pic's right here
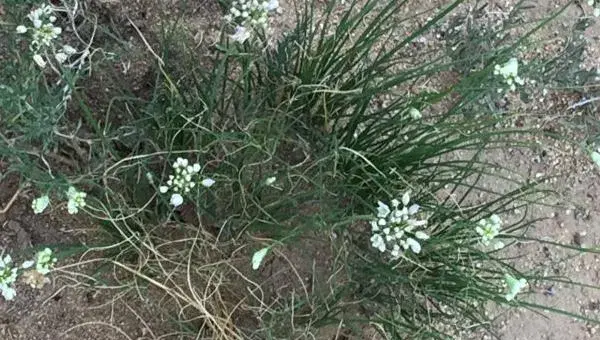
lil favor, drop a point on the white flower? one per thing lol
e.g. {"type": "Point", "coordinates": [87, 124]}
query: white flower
{"type": "Point", "coordinates": [378, 242]}
{"type": "Point", "coordinates": [61, 57]}
{"type": "Point", "coordinates": [414, 113]}
{"type": "Point", "coordinates": [76, 200]}
{"type": "Point", "coordinates": [39, 60]}
{"type": "Point", "coordinates": [488, 229]}
{"type": "Point", "coordinates": [509, 70]}
{"type": "Point", "coordinates": [597, 12]}
{"type": "Point", "coordinates": [396, 230]}
{"type": "Point", "coordinates": [421, 235]}
{"type": "Point", "coordinates": [8, 276]}
{"type": "Point", "coordinates": [270, 180]}
{"type": "Point", "coordinates": [374, 226]}
{"type": "Point", "coordinates": [40, 204]}
{"type": "Point", "coordinates": [413, 209]}
{"type": "Point", "coordinates": [21, 29]}
{"type": "Point", "coordinates": [395, 251]}
{"type": "Point", "coordinates": [27, 264]}
{"type": "Point", "coordinates": [241, 34]}
{"type": "Point", "coordinates": [272, 5]}
{"type": "Point", "coordinates": [163, 189]}
{"type": "Point", "coordinates": [414, 245]}
{"type": "Point", "coordinates": [44, 261]}
{"type": "Point", "coordinates": [595, 156]}
{"type": "Point", "coordinates": [8, 292]}
{"type": "Point", "coordinates": [258, 257]}
{"type": "Point", "coordinates": [382, 210]}
{"type": "Point", "coordinates": [406, 198]}
{"type": "Point", "coordinates": [176, 200]}
{"type": "Point", "coordinates": [514, 286]}
{"type": "Point", "coordinates": [208, 182]}
{"type": "Point", "coordinates": [498, 245]}
{"type": "Point", "coordinates": [69, 50]}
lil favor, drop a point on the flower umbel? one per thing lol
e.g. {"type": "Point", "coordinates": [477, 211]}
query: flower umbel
{"type": "Point", "coordinates": [8, 276]}
{"type": "Point", "coordinates": [44, 261]}
{"type": "Point", "coordinates": [184, 179]}
{"type": "Point", "coordinates": [76, 200]}
{"type": "Point", "coordinates": [40, 204]}
{"type": "Point", "coordinates": [249, 15]}
{"type": "Point", "coordinates": [510, 72]}
{"type": "Point", "coordinates": [395, 230]}
{"type": "Point", "coordinates": [488, 229]}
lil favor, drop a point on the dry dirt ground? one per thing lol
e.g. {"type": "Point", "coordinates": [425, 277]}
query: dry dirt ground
{"type": "Point", "coordinates": [66, 309]}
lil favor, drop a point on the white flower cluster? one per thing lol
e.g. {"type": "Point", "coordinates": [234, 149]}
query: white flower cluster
{"type": "Point", "coordinates": [8, 276]}
{"type": "Point", "coordinates": [596, 5]}
{"type": "Point", "coordinates": [510, 72]}
{"type": "Point", "coordinates": [43, 262]}
{"type": "Point", "coordinates": [488, 229]}
{"type": "Point", "coordinates": [396, 230]}
{"type": "Point", "coordinates": [249, 15]}
{"type": "Point", "coordinates": [44, 34]}
{"type": "Point", "coordinates": [184, 180]}
{"type": "Point", "coordinates": [76, 200]}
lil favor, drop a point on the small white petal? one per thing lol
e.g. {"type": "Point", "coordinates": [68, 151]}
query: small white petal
{"type": "Point", "coordinates": [270, 180]}
{"type": "Point", "coordinates": [272, 5]}
{"type": "Point", "coordinates": [413, 209]}
{"type": "Point", "coordinates": [417, 223]}
{"type": "Point", "coordinates": [406, 198]}
{"type": "Point", "coordinates": [241, 33]}
{"type": "Point", "coordinates": [163, 189]}
{"type": "Point", "coordinates": [374, 226]}
{"type": "Point", "coordinates": [27, 264]}
{"type": "Point", "coordinates": [196, 167]}
{"type": "Point", "coordinates": [414, 113]}
{"type": "Point", "coordinates": [498, 245]}
{"type": "Point", "coordinates": [421, 235]}
{"type": "Point", "coordinates": [382, 210]}
{"type": "Point", "coordinates": [69, 50]}
{"type": "Point", "coordinates": [414, 245]}
{"type": "Point", "coordinates": [21, 29]}
{"type": "Point", "coordinates": [258, 257]}
{"type": "Point", "coordinates": [39, 60]}
{"type": "Point", "coordinates": [61, 57]}
{"type": "Point", "coordinates": [176, 200]}
{"type": "Point", "coordinates": [208, 182]}
{"type": "Point", "coordinates": [395, 203]}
